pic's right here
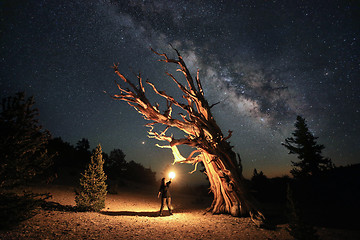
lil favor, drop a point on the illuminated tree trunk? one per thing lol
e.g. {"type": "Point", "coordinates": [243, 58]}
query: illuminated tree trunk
{"type": "Point", "coordinates": [202, 133]}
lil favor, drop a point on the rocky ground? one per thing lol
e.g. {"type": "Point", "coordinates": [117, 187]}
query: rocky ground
{"type": "Point", "coordinates": [134, 215]}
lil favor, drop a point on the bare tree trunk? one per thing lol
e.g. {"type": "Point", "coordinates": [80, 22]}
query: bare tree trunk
{"type": "Point", "coordinates": [229, 189]}
{"type": "Point", "coordinates": [211, 147]}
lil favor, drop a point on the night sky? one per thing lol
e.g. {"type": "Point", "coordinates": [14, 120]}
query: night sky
{"type": "Point", "coordinates": [265, 61]}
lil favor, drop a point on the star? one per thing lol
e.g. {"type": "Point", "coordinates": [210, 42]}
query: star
{"type": "Point", "coordinates": [264, 66]}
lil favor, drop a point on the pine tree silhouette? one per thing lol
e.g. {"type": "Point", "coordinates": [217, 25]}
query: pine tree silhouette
{"type": "Point", "coordinates": [309, 152]}
{"type": "Point", "coordinates": [23, 141]}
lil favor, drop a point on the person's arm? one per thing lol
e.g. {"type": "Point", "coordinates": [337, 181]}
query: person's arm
{"type": "Point", "coordinates": [168, 183]}
{"type": "Point", "coordinates": [159, 194]}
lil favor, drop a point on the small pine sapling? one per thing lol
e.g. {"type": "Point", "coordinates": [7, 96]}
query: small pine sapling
{"type": "Point", "coordinates": [91, 196]}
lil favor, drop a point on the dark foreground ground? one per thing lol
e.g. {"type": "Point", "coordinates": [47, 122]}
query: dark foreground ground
{"type": "Point", "coordinates": [134, 215]}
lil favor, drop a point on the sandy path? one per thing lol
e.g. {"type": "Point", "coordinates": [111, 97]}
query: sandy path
{"type": "Point", "coordinates": [135, 216]}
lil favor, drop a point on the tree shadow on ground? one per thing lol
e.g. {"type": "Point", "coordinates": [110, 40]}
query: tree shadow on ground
{"type": "Point", "coordinates": [133, 213]}
{"type": "Point", "coordinates": [54, 206]}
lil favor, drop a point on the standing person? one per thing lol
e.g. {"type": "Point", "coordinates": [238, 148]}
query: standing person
{"type": "Point", "coordinates": [165, 195]}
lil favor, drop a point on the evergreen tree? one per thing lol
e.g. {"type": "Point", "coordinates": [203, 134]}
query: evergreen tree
{"type": "Point", "coordinates": [260, 185]}
{"type": "Point", "coordinates": [23, 156]}
{"type": "Point", "coordinates": [83, 145]}
{"type": "Point", "coordinates": [116, 165]}
{"type": "Point", "coordinates": [91, 196]}
{"type": "Point", "coordinates": [23, 142]}
{"type": "Point", "coordinates": [257, 175]}
{"type": "Point", "coordinates": [138, 173]}
{"type": "Point", "coordinates": [303, 143]}
{"type": "Point", "coordinates": [82, 153]}
{"type": "Point", "coordinates": [259, 180]}
{"type": "Point", "coordinates": [298, 228]}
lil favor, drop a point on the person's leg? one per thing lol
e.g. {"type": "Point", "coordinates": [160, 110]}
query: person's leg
{"type": "Point", "coordinates": [168, 203]}
{"type": "Point", "coordinates": [162, 205]}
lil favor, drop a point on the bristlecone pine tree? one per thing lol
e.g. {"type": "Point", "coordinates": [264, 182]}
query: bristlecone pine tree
{"type": "Point", "coordinates": [211, 147]}
{"type": "Point", "coordinates": [309, 152]}
{"type": "Point", "coordinates": [91, 196]}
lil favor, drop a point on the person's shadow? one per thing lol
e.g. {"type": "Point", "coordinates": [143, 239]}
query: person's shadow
{"type": "Point", "coordinates": [132, 213]}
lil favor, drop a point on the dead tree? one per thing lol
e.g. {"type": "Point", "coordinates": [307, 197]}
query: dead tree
{"type": "Point", "coordinates": [202, 133]}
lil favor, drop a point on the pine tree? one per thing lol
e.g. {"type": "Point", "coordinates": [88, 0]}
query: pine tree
{"type": "Point", "coordinates": [91, 196]}
{"type": "Point", "coordinates": [23, 158]}
{"type": "Point", "coordinates": [309, 152]}
{"type": "Point", "coordinates": [23, 142]}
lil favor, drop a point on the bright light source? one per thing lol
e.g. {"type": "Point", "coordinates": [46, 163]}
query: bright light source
{"type": "Point", "coordinates": [171, 175]}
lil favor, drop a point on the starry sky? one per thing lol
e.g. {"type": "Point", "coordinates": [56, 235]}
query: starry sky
{"type": "Point", "coordinates": [265, 61]}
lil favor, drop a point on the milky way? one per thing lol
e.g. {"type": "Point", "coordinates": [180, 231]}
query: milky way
{"type": "Point", "coordinates": [265, 62]}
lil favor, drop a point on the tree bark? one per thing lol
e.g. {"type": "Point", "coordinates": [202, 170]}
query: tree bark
{"type": "Point", "coordinates": [224, 171]}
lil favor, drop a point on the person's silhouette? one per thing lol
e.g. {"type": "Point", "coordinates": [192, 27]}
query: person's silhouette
{"type": "Point", "coordinates": [165, 195]}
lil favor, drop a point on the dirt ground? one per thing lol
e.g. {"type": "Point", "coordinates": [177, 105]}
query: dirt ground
{"type": "Point", "coordinates": [134, 215]}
